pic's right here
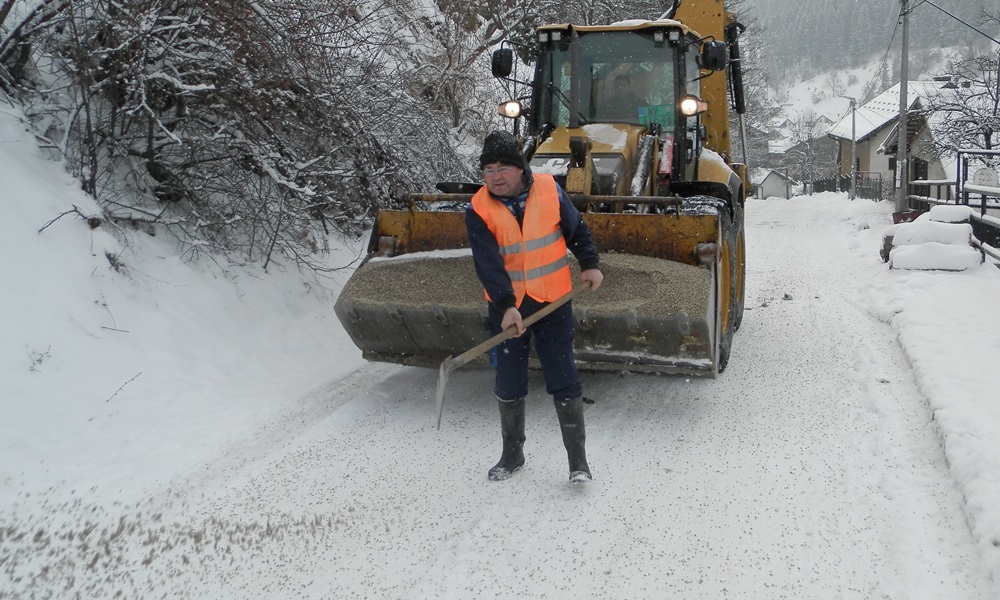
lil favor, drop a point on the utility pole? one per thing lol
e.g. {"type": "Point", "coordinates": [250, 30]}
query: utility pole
{"type": "Point", "coordinates": [854, 150]}
{"type": "Point", "coordinates": [902, 134]}
{"type": "Point", "coordinates": [854, 146]}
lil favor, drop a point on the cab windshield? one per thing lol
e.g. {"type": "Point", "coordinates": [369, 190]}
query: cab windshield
{"type": "Point", "coordinates": [625, 77]}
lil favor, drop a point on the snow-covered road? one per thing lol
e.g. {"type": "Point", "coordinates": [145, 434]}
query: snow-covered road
{"type": "Point", "coordinates": [811, 468]}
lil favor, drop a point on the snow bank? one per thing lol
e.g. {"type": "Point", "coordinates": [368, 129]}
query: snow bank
{"type": "Point", "coordinates": [118, 359]}
{"type": "Point", "coordinates": [907, 234]}
{"type": "Point", "coordinates": [947, 213]}
{"type": "Point", "coordinates": [938, 240]}
{"type": "Point", "coordinates": [934, 256]}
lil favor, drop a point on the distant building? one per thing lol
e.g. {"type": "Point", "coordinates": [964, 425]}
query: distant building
{"type": "Point", "coordinates": [925, 162]}
{"type": "Point", "coordinates": [874, 123]}
{"type": "Point", "coordinates": [950, 116]}
{"type": "Point", "coordinates": [774, 184]}
{"type": "Point", "coordinates": [793, 150]}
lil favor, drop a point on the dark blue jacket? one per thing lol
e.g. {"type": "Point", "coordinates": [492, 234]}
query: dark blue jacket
{"type": "Point", "coordinates": [486, 250]}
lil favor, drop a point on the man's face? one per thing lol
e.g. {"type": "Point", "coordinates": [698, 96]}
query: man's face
{"type": "Point", "coordinates": [503, 180]}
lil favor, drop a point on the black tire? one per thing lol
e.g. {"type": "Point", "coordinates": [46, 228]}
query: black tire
{"type": "Point", "coordinates": [727, 272]}
{"type": "Point", "coordinates": [740, 272]}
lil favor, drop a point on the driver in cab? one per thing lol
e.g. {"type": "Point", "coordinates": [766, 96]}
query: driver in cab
{"type": "Point", "coordinates": [625, 103]}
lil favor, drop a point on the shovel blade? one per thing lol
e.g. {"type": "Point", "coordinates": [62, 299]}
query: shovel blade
{"type": "Point", "coordinates": [442, 382]}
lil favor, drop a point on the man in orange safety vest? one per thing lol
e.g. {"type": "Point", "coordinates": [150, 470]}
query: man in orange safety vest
{"type": "Point", "coordinates": [521, 227]}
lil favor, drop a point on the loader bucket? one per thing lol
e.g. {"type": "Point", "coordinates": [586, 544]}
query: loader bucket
{"type": "Point", "coordinates": [655, 312]}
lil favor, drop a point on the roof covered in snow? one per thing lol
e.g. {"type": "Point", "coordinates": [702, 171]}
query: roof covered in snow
{"type": "Point", "coordinates": [882, 110]}
{"type": "Point", "coordinates": [937, 117]}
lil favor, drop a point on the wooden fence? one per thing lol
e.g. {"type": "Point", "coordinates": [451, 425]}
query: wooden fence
{"type": "Point", "coordinates": [868, 185]}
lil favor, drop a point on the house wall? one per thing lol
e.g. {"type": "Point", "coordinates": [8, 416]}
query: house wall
{"type": "Point", "coordinates": [844, 153]}
{"type": "Point", "coordinates": [773, 185]}
{"type": "Point", "coordinates": [875, 161]}
{"type": "Point", "coordinates": [923, 146]}
{"type": "Point", "coordinates": [868, 157]}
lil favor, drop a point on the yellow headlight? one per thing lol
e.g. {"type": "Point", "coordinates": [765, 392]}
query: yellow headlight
{"type": "Point", "coordinates": [692, 105]}
{"type": "Point", "coordinates": [510, 109]}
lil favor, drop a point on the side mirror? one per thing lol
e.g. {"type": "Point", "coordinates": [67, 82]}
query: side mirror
{"type": "Point", "coordinates": [714, 56]}
{"type": "Point", "coordinates": [503, 62]}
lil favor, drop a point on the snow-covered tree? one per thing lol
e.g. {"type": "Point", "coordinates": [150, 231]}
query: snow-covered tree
{"type": "Point", "coordinates": [812, 154]}
{"type": "Point", "coordinates": [967, 113]}
{"type": "Point", "coordinates": [249, 128]}
{"type": "Point", "coordinates": [761, 108]}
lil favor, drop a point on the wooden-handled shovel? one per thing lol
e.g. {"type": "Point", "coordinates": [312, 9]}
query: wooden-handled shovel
{"type": "Point", "coordinates": [451, 363]}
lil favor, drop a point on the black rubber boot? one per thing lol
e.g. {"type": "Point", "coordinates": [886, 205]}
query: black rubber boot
{"type": "Point", "coordinates": [574, 436]}
{"type": "Point", "coordinates": [512, 426]}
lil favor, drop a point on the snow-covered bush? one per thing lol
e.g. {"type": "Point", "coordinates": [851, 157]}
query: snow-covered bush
{"type": "Point", "coordinates": [247, 128]}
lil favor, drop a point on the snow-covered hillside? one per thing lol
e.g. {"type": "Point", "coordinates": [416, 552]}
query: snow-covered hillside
{"type": "Point", "coordinates": [826, 95]}
{"type": "Point", "coordinates": [122, 364]}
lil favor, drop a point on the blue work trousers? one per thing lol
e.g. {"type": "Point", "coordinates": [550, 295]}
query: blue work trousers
{"type": "Point", "coordinates": [553, 337]}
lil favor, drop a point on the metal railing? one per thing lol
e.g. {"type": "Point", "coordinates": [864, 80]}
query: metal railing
{"type": "Point", "coordinates": [922, 195]}
{"type": "Point", "coordinates": [963, 191]}
{"type": "Point", "coordinates": [987, 191]}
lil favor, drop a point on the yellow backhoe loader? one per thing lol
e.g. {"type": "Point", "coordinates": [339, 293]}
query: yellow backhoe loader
{"type": "Point", "coordinates": [649, 166]}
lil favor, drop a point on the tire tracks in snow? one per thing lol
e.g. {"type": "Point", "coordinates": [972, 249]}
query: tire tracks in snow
{"type": "Point", "coordinates": [280, 435]}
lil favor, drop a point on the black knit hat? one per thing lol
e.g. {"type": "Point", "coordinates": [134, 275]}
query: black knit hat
{"type": "Point", "coordinates": [501, 147]}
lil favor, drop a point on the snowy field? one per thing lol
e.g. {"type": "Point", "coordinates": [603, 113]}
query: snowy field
{"type": "Point", "coordinates": [186, 429]}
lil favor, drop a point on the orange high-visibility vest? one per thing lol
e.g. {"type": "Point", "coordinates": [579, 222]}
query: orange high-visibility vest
{"type": "Point", "coordinates": [535, 256]}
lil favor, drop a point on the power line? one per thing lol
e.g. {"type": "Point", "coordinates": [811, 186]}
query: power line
{"type": "Point", "coordinates": [972, 27]}
{"type": "Point", "coordinates": [870, 87]}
